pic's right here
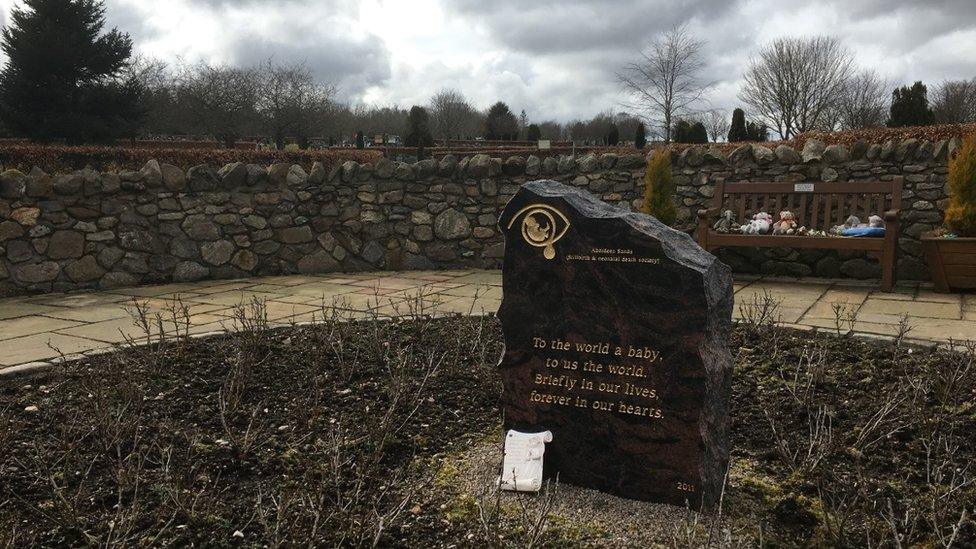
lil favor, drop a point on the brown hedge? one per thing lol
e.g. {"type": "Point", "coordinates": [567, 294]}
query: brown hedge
{"type": "Point", "coordinates": [849, 137]}
{"type": "Point", "coordinates": [506, 151]}
{"type": "Point", "coordinates": [61, 158]}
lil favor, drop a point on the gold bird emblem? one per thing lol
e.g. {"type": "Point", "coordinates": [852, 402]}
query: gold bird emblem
{"type": "Point", "coordinates": [540, 227]}
{"type": "Point", "coordinates": [536, 232]}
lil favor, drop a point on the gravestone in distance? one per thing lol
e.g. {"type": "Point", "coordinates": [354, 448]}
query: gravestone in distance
{"type": "Point", "coordinates": [616, 329]}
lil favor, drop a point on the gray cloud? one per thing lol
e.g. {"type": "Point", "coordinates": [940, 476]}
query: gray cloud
{"type": "Point", "coordinates": [554, 58]}
{"type": "Point", "coordinates": [567, 27]}
{"type": "Point", "coordinates": [351, 65]}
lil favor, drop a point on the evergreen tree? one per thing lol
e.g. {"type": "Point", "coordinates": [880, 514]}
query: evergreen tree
{"type": "Point", "coordinates": [681, 133]}
{"type": "Point", "coordinates": [738, 130]}
{"type": "Point", "coordinates": [418, 130]}
{"type": "Point", "coordinates": [686, 131]}
{"type": "Point", "coordinates": [500, 123]}
{"type": "Point", "coordinates": [360, 140]}
{"type": "Point", "coordinates": [910, 107]}
{"type": "Point", "coordinates": [640, 136]}
{"type": "Point", "coordinates": [613, 135]}
{"type": "Point", "coordinates": [756, 132]}
{"type": "Point", "coordinates": [534, 133]}
{"type": "Point", "coordinates": [63, 78]}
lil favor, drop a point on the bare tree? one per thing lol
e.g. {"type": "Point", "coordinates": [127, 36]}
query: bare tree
{"type": "Point", "coordinates": [717, 123]}
{"type": "Point", "coordinates": [863, 102]}
{"type": "Point", "coordinates": [954, 102]}
{"type": "Point", "coordinates": [453, 117]}
{"type": "Point", "coordinates": [291, 102]}
{"type": "Point", "coordinates": [664, 81]}
{"type": "Point", "coordinates": [626, 125]}
{"type": "Point", "coordinates": [794, 83]}
{"type": "Point", "coordinates": [550, 129]}
{"type": "Point", "coordinates": [220, 100]}
{"type": "Point", "coordinates": [158, 98]}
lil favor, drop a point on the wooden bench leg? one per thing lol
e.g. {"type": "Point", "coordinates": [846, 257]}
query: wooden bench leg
{"type": "Point", "coordinates": [889, 258]}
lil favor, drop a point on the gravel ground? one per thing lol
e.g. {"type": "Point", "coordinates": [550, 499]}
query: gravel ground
{"type": "Point", "coordinates": [588, 516]}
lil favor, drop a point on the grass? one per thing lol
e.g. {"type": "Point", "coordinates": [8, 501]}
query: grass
{"type": "Point", "coordinates": [353, 433]}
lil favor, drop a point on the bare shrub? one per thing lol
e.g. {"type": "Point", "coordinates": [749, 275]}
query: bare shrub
{"type": "Point", "coordinates": [806, 453]}
{"type": "Point", "coordinates": [761, 312]}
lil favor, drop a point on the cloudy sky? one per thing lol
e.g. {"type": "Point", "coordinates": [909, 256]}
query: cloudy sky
{"type": "Point", "coordinates": [555, 59]}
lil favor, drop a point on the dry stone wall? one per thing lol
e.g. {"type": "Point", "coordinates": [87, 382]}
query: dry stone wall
{"type": "Point", "coordinates": [92, 229]}
{"type": "Point", "coordinates": [104, 230]}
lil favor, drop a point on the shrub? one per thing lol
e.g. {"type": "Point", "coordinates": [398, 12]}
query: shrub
{"type": "Point", "coordinates": [960, 216]}
{"type": "Point", "coordinates": [659, 188]}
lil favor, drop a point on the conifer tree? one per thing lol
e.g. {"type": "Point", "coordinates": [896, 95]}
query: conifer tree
{"type": "Point", "coordinates": [640, 136]}
{"type": "Point", "coordinates": [659, 188]}
{"type": "Point", "coordinates": [418, 130]}
{"type": "Point", "coordinates": [910, 107]}
{"type": "Point", "coordinates": [737, 131]}
{"type": "Point", "coordinates": [64, 78]}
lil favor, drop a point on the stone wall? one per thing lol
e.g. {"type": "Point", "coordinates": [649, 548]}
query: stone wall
{"type": "Point", "coordinates": [102, 230]}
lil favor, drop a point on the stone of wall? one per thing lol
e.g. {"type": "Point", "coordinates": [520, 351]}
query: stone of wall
{"type": "Point", "coordinates": [922, 165]}
{"type": "Point", "coordinates": [104, 230]}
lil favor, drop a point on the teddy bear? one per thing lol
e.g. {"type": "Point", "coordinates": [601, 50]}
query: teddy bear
{"type": "Point", "coordinates": [760, 224]}
{"type": "Point", "coordinates": [786, 224]}
{"type": "Point", "coordinates": [852, 221]}
{"type": "Point", "coordinates": [875, 221]}
{"type": "Point", "coordinates": [726, 223]}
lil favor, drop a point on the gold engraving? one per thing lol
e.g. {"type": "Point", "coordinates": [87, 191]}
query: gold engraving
{"type": "Point", "coordinates": [540, 227]}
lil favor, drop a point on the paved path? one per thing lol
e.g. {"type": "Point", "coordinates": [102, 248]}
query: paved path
{"type": "Point", "coordinates": [42, 327]}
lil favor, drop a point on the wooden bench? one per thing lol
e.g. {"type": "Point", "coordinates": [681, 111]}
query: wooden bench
{"type": "Point", "coordinates": [818, 206]}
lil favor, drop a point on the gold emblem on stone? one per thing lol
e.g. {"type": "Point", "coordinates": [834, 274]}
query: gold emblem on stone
{"type": "Point", "coordinates": [540, 227]}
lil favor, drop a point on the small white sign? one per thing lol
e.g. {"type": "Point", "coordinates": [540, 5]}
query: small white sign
{"type": "Point", "coordinates": [803, 187]}
{"type": "Point", "coordinates": [522, 466]}
{"type": "Point", "coordinates": [544, 145]}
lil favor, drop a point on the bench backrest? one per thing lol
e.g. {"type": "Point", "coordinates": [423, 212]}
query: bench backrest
{"type": "Point", "coordinates": [817, 206]}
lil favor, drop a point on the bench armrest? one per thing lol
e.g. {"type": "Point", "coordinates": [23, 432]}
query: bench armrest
{"type": "Point", "coordinates": [710, 213]}
{"type": "Point", "coordinates": [892, 215]}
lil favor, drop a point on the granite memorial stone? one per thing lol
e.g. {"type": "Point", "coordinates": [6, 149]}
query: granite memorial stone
{"type": "Point", "coordinates": [616, 340]}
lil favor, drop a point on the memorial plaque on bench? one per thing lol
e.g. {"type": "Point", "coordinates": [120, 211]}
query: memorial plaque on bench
{"type": "Point", "coordinates": [616, 339]}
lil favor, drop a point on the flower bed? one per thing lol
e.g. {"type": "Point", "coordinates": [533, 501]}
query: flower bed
{"type": "Point", "coordinates": [350, 433]}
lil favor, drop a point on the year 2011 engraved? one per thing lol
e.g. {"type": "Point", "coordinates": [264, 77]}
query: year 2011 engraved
{"type": "Point", "coordinates": [685, 487]}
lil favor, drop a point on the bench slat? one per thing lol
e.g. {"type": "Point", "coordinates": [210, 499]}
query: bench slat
{"type": "Point", "coordinates": [784, 241]}
{"type": "Point", "coordinates": [859, 187]}
{"type": "Point", "coordinates": [828, 212]}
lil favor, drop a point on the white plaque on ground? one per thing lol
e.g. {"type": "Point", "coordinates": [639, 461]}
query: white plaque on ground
{"type": "Point", "coordinates": [522, 466]}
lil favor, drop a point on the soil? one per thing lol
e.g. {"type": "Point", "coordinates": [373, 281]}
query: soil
{"type": "Point", "coordinates": [386, 433]}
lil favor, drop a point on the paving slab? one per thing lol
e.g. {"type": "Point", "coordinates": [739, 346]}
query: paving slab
{"type": "Point", "coordinates": [43, 347]}
{"type": "Point", "coordinates": [928, 309]}
{"type": "Point", "coordinates": [15, 309]}
{"type": "Point", "coordinates": [30, 325]}
{"type": "Point", "coordinates": [88, 321]}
